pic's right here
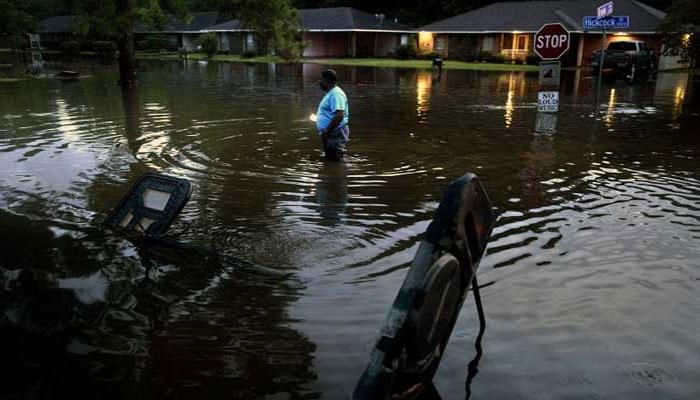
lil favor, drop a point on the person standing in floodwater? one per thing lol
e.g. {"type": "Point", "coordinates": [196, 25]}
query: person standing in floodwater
{"type": "Point", "coordinates": [332, 117]}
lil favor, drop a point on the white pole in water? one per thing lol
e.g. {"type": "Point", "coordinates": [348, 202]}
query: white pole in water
{"type": "Point", "coordinates": [600, 71]}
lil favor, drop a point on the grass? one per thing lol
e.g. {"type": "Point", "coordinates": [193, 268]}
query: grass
{"type": "Point", "coordinates": [360, 62]}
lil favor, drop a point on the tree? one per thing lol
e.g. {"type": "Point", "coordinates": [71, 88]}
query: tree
{"type": "Point", "coordinates": [209, 43]}
{"type": "Point", "coordinates": [16, 17]}
{"type": "Point", "coordinates": [276, 23]}
{"type": "Point", "coordinates": [116, 19]}
{"type": "Point", "coordinates": [681, 30]}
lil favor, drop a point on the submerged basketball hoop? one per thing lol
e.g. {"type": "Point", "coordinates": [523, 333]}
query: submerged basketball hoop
{"type": "Point", "coordinates": [420, 322]}
{"type": "Point", "coordinates": [151, 205]}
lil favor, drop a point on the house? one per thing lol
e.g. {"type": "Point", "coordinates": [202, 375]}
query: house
{"type": "Point", "coordinates": [235, 39]}
{"type": "Point", "coordinates": [182, 34]}
{"type": "Point", "coordinates": [55, 30]}
{"type": "Point", "coordinates": [348, 32]}
{"type": "Point", "coordinates": [327, 32]}
{"type": "Point", "coordinates": [508, 29]}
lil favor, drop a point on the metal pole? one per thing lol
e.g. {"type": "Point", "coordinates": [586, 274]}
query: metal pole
{"type": "Point", "coordinates": [600, 72]}
{"type": "Point", "coordinates": [472, 368]}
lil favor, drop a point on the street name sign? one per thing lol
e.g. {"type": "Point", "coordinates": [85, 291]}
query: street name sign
{"type": "Point", "coordinates": [552, 41]}
{"type": "Point", "coordinates": [548, 101]}
{"type": "Point", "coordinates": [605, 10]}
{"type": "Point", "coordinates": [550, 73]}
{"type": "Point", "coordinates": [617, 21]}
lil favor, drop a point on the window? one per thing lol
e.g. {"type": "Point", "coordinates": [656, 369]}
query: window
{"type": "Point", "coordinates": [440, 43]}
{"type": "Point", "coordinates": [487, 43]}
{"type": "Point", "coordinates": [404, 40]}
{"type": "Point", "coordinates": [622, 46]}
{"type": "Point", "coordinates": [249, 41]}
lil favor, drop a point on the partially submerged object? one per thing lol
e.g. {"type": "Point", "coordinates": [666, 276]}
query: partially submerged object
{"type": "Point", "coordinates": [420, 322]}
{"type": "Point", "coordinates": [151, 205]}
{"type": "Point", "coordinates": [67, 75]}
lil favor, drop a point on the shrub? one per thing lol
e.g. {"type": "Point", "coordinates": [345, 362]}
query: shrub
{"type": "Point", "coordinates": [105, 50]}
{"type": "Point", "coordinates": [430, 55]}
{"type": "Point", "coordinates": [497, 58]}
{"type": "Point", "coordinates": [532, 59]}
{"type": "Point", "coordinates": [156, 43]}
{"type": "Point", "coordinates": [405, 52]}
{"type": "Point", "coordinates": [482, 56]}
{"type": "Point", "coordinates": [289, 45]}
{"type": "Point", "coordinates": [19, 42]}
{"type": "Point", "coordinates": [248, 54]}
{"type": "Point", "coordinates": [209, 43]}
{"type": "Point", "coordinates": [70, 48]}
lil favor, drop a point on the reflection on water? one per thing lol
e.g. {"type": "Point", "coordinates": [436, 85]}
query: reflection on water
{"type": "Point", "coordinates": [424, 84]}
{"type": "Point", "coordinates": [332, 191]}
{"type": "Point", "coordinates": [592, 268]}
{"type": "Point", "coordinates": [508, 114]}
{"type": "Point", "coordinates": [608, 118]}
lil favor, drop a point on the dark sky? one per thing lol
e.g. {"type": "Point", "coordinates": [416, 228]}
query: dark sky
{"type": "Point", "coordinates": [423, 11]}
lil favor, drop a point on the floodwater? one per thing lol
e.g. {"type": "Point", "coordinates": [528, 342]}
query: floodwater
{"type": "Point", "coordinates": [591, 283]}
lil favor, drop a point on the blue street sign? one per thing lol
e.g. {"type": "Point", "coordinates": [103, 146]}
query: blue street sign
{"type": "Point", "coordinates": [621, 21]}
{"type": "Point", "coordinates": [605, 10]}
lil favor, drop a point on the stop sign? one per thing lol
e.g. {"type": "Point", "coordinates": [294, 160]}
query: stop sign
{"type": "Point", "coordinates": [552, 41]}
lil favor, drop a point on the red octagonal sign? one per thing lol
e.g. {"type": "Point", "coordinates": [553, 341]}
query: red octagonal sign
{"type": "Point", "coordinates": [552, 41]}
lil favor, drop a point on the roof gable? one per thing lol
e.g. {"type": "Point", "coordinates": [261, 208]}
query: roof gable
{"type": "Point", "coordinates": [56, 24]}
{"type": "Point", "coordinates": [529, 16]}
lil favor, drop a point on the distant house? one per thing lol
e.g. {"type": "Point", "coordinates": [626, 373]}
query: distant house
{"type": "Point", "coordinates": [235, 39]}
{"type": "Point", "coordinates": [508, 28]}
{"type": "Point", "coordinates": [182, 34]}
{"type": "Point", "coordinates": [345, 31]}
{"type": "Point", "coordinates": [55, 30]}
{"type": "Point", "coordinates": [328, 32]}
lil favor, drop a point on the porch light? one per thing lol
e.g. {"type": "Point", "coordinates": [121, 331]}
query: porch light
{"type": "Point", "coordinates": [686, 39]}
{"type": "Point", "coordinates": [425, 39]}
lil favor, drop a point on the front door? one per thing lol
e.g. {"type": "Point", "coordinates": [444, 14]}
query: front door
{"type": "Point", "coordinates": [522, 42]}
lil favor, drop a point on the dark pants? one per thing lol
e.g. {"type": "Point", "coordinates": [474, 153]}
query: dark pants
{"type": "Point", "coordinates": [334, 145]}
{"type": "Point", "coordinates": [332, 151]}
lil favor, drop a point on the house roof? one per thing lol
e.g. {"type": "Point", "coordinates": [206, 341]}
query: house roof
{"type": "Point", "coordinates": [58, 24]}
{"type": "Point", "coordinates": [333, 19]}
{"type": "Point", "coordinates": [231, 25]}
{"type": "Point", "coordinates": [347, 19]}
{"type": "Point", "coordinates": [529, 16]}
{"type": "Point", "coordinates": [198, 21]}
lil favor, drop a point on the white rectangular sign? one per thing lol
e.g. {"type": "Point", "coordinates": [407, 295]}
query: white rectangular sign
{"type": "Point", "coordinates": [548, 101]}
{"type": "Point", "coordinates": [605, 10]}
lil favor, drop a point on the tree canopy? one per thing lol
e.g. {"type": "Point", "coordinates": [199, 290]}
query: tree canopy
{"type": "Point", "coordinates": [681, 30]}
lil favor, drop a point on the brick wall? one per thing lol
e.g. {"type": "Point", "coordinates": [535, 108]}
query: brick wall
{"type": "Point", "coordinates": [326, 44]}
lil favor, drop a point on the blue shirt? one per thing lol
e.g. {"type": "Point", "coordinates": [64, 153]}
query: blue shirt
{"type": "Point", "coordinates": [334, 100]}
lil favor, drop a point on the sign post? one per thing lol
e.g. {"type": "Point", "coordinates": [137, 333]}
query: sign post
{"type": "Point", "coordinates": [605, 10]}
{"type": "Point", "coordinates": [604, 20]}
{"type": "Point", "coordinates": [551, 42]}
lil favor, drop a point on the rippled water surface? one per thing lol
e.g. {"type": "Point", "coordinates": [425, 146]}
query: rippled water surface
{"type": "Point", "coordinates": [591, 280]}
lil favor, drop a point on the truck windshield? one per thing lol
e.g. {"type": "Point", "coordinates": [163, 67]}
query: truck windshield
{"type": "Point", "coordinates": [623, 46]}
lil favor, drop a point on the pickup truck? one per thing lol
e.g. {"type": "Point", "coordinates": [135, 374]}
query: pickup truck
{"type": "Point", "coordinates": [628, 56]}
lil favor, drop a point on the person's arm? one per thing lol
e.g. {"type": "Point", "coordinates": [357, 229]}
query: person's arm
{"type": "Point", "coordinates": [337, 119]}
